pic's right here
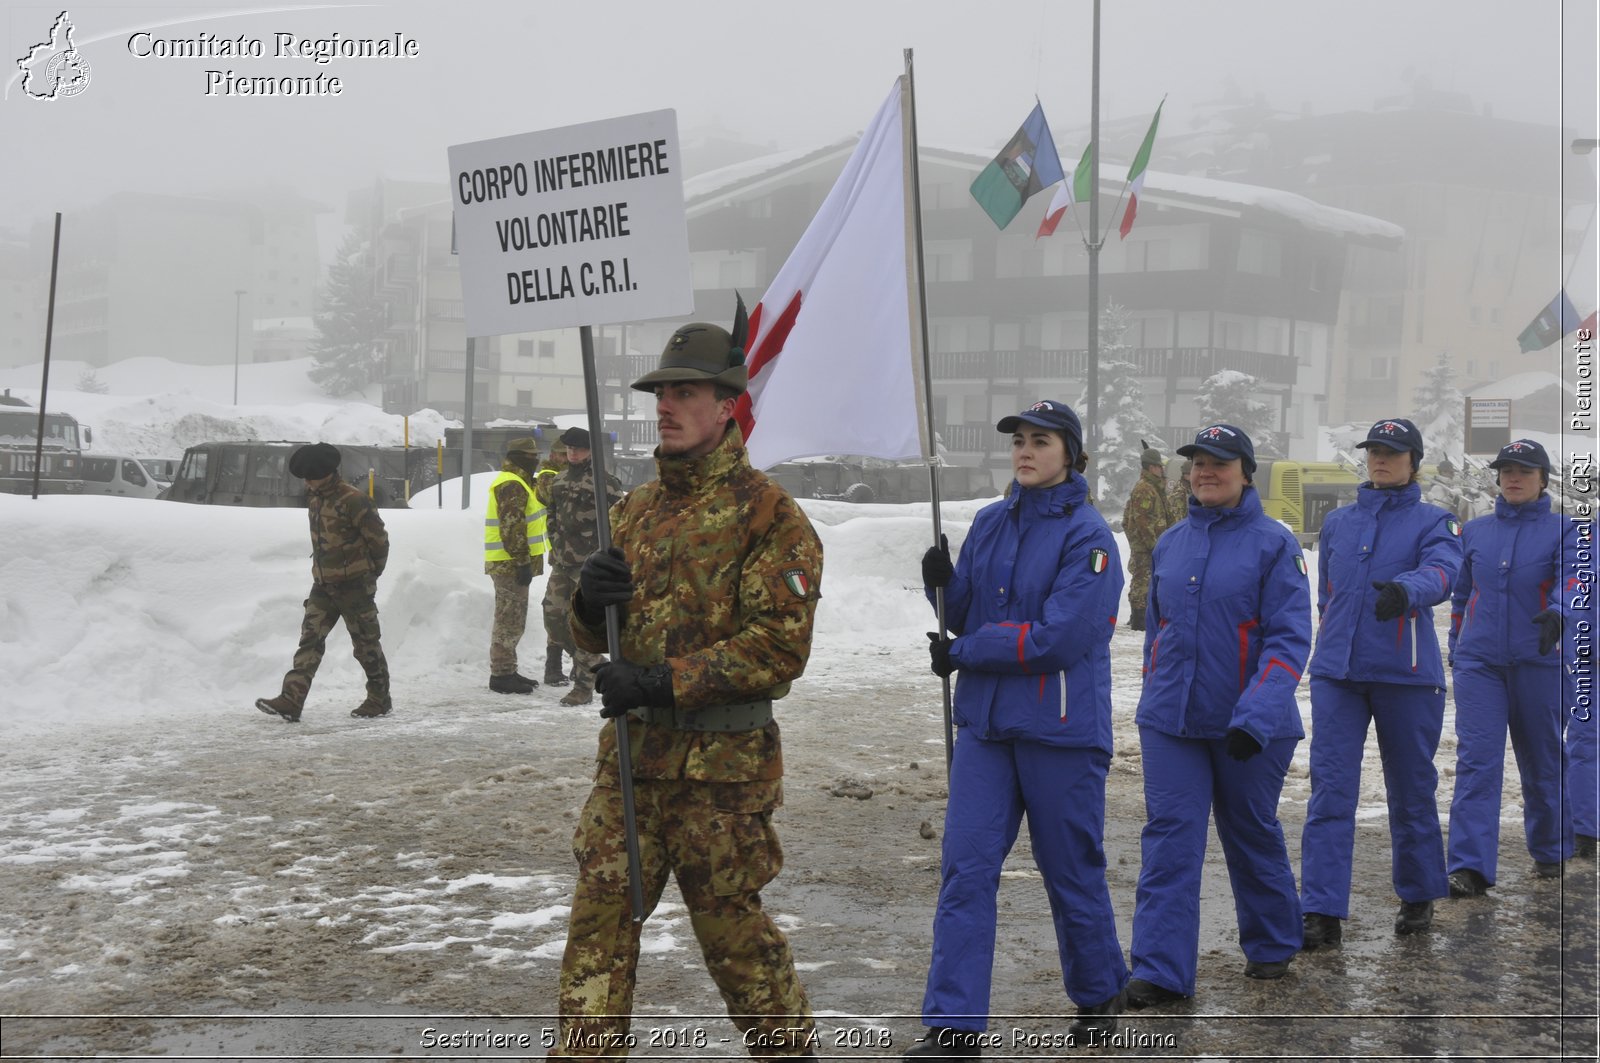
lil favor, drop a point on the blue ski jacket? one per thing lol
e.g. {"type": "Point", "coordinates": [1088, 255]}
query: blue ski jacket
{"type": "Point", "coordinates": [1228, 626]}
{"type": "Point", "coordinates": [1387, 535]}
{"type": "Point", "coordinates": [1511, 570]}
{"type": "Point", "coordinates": [1033, 603]}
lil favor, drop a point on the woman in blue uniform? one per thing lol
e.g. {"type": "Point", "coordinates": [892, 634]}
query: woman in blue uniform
{"type": "Point", "coordinates": [1032, 602]}
{"type": "Point", "coordinates": [1505, 630]}
{"type": "Point", "coordinates": [1386, 561]}
{"type": "Point", "coordinates": [1228, 629]}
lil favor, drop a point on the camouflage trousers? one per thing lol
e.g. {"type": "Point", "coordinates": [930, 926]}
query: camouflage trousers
{"type": "Point", "coordinates": [722, 855]}
{"type": "Point", "coordinates": [558, 632]}
{"type": "Point", "coordinates": [510, 617]}
{"type": "Point", "coordinates": [352, 601]}
{"type": "Point", "coordinates": [1138, 579]}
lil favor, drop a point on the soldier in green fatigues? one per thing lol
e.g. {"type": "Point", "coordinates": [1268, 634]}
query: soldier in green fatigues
{"type": "Point", "coordinates": [514, 545]}
{"type": "Point", "coordinates": [573, 536]}
{"type": "Point", "coordinates": [1178, 496]}
{"type": "Point", "coordinates": [716, 571]}
{"type": "Point", "coordinates": [349, 549]}
{"type": "Point", "coordinates": [553, 636]}
{"type": "Point", "coordinates": [1147, 514]}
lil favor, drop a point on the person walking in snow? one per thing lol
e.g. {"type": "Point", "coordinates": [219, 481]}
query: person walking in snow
{"type": "Point", "coordinates": [1032, 602]}
{"type": "Point", "coordinates": [716, 572]}
{"type": "Point", "coordinates": [1506, 620]}
{"type": "Point", "coordinates": [514, 545]}
{"type": "Point", "coordinates": [349, 549]}
{"type": "Point", "coordinates": [1386, 560]}
{"type": "Point", "coordinates": [1228, 633]}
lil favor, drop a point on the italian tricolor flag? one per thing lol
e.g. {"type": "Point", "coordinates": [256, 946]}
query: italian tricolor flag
{"type": "Point", "coordinates": [1141, 162]}
{"type": "Point", "coordinates": [1069, 192]}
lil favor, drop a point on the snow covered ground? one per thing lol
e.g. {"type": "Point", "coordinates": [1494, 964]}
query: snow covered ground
{"type": "Point", "coordinates": [167, 850]}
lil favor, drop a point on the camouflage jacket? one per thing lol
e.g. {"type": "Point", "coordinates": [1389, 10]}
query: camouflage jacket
{"type": "Point", "coordinates": [549, 469]}
{"type": "Point", "coordinates": [1178, 501]}
{"type": "Point", "coordinates": [728, 571]}
{"type": "Point", "coordinates": [573, 533]}
{"type": "Point", "coordinates": [1148, 512]}
{"type": "Point", "coordinates": [348, 540]}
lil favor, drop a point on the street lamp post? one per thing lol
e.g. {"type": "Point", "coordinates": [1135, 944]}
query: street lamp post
{"type": "Point", "coordinates": [238, 306]}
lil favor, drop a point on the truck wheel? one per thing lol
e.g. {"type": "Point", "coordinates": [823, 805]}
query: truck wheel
{"type": "Point", "coordinates": [858, 493]}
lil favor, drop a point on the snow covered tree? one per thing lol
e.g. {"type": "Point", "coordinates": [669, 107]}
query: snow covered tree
{"type": "Point", "coordinates": [1228, 397]}
{"type": "Point", "coordinates": [1114, 465]}
{"type": "Point", "coordinates": [1438, 406]}
{"type": "Point", "coordinates": [90, 382]}
{"type": "Point", "coordinates": [347, 348]}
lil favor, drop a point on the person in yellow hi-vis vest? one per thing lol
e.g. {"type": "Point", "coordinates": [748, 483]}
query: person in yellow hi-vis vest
{"type": "Point", "coordinates": [514, 545]}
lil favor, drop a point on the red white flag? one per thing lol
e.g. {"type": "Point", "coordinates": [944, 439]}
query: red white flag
{"type": "Point", "coordinates": [831, 366]}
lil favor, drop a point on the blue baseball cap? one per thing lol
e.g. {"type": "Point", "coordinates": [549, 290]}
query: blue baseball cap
{"type": "Point", "coordinates": [1523, 452]}
{"type": "Point", "coordinates": [1223, 441]}
{"type": "Point", "coordinates": [1396, 433]}
{"type": "Point", "coordinates": [1048, 413]}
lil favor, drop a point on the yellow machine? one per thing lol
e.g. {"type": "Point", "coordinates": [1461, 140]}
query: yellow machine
{"type": "Point", "coordinates": [1302, 493]}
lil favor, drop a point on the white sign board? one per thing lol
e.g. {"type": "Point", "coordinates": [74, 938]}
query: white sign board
{"type": "Point", "coordinates": [1491, 413]}
{"type": "Point", "coordinates": [582, 225]}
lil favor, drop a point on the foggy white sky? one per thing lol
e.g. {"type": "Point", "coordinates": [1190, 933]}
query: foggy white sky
{"type": "Point", "coordinates": [793, 74]}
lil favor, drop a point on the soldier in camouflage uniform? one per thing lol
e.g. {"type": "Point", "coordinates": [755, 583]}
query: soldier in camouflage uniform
{"type": "Point", "coordinates": [1178, 496]}
{"type": "Point", "coordinates": [514, 547]}
{"type": "Point", "coordinates": [1147, 514]}
{"type": "Point", "coordinates": [349, 549]}
{"type": "Point", "coordinates": [716, 571]}
{"type": "Point", "coordinates": [548, 471]}
{"type": "Point", "coordinates": [574, 536]}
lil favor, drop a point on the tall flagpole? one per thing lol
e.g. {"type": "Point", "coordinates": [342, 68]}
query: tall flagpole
{"type": "Point", "coordinates": [919, 343]}
{"type": "Point", "coordinates": [1092, 436]}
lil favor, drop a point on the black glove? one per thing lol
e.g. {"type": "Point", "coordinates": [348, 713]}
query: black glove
{"type": "Point", "coordinates": [1240, 745]}
{"type": "Point", "coordinates": [625, 686]}
{"type": "Point", "coordinates": [1549, 623]}
{"type": "Point", "coordinates": [604, 579]}
{"type": "Point", "coordinates": [936, 567]}
{"type": "Point", "coordinates": [524, 575]}
{"type": "Point", "coordinates": [939, 651]}
{"type": "Point", "coordinates": [1393, 601]}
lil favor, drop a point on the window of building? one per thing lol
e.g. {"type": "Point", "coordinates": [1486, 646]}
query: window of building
{"type": "Point", "coordinates": [547, 348]}
{"type": "Point", "coordinates": [524, 398]}
{"type": "Point", "coordinates": [947, 260]}
{"type": "Point", "coordinates": [1382, 369]}
{"type": "Point", "coordinates": [1260, 253]}
{"type": "Point", "coordinates": [525, 348]}
{"type": "Point", "coordinates": [1494, 315]}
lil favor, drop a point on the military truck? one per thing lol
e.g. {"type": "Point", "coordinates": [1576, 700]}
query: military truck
{"type": "Point", "coordinates": [256, 473]}
{"type": "Point", "coordinates": [60, 471]}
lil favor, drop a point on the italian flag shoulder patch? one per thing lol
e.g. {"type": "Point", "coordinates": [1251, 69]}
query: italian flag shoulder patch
{"type": "Point", "coordinates": [1098, 559]}
{"type": "Point", "coordinates": [1454, 526]}
{"type": "Point", "coordinates": [1300, 563]}
{"type": "Point", "coordinates": [795, 579]}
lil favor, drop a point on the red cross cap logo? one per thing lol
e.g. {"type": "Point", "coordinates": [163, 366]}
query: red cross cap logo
{"type": "Point", "coordinates": [1388, 428]}
{"type": "Point", "coordinates": [1517, 448]}
{"type": "Point", "coordinates": [1216, 431]}
{"type": "Point", "coordinates": [1043, 404]}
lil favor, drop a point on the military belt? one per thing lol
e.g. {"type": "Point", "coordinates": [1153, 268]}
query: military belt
{"type": "Point", "coordinates": [745, 716]}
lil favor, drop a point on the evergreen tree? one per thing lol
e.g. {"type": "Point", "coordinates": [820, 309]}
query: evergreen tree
{"type": "Point", "coordinates": [1439, 408]}
{"type": "Point", "coordinates": [90, 382]}
{"type": "Point", "coordinates": [1114, 467]}
{"type": "Point", "coordinates": [347, 348]}
{"type": "Point", "coordinates": [1228, 397]}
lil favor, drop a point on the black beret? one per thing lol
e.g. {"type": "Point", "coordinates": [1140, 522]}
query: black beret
{"type": "Point", "coordinates": [314, 461]}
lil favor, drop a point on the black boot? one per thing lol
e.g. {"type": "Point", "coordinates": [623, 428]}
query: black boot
{"type": "Point", "coordinates": [1414, 917]}
{"type": "Point", "coordinates": [944, 1043]}
{"type": "Point", "coordinates": [1136, 620]}
{"type": "Point", "coordinates": [1321, 931]}
{"type": "Point", "coordinates": [1141, 994]}
{"type": "Point", "coordinates": [1468, 883]}
{"type": "Point", "coordinates": [280, 706]}
{"type": "Point", "coordinates": [1583, 846]}
{"type": "Point", "coordinates": [552, 667]}
{"type": "Point", "coordinates": [1096, 1022]}
{"type": "Point", "coordinates": [512, 684]}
